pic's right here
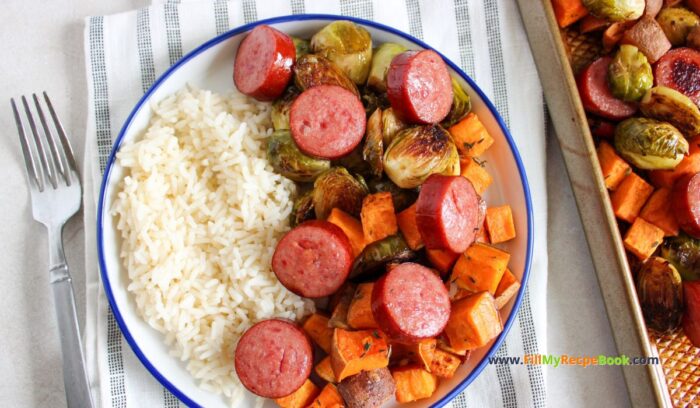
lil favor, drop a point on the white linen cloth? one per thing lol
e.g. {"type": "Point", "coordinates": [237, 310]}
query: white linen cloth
{"type": "Point", "coordinates": [126, 52]}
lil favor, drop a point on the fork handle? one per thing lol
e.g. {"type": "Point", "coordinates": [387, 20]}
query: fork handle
{"type": "Point", "coordinates": [74, 374]}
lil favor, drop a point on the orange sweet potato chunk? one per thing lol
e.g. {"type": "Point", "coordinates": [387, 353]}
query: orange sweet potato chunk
{"type": "Point", "coordinates": [474, 322]}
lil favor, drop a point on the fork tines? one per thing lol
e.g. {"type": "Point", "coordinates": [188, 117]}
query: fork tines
{"type": "Point", "coordinates": [59, 162]}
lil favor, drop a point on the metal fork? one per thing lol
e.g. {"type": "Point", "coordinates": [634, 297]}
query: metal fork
{"type": "Point", "coordinates": [56, 194]}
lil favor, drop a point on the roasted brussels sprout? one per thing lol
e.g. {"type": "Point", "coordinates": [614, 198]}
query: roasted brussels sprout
{"type": "Point", "coordinates": [287, 160]}
{"type": "Point", "coordinates": [302, 46]}
{"type": "Point", "coordinates": [677, 23]}
{"type": "Point", "coordinates": [461, 105]}
{"type": "Point", "coordinates": [380, 64]}
{"type": "Point", "coordinates": [683, 252]}
{"type": "Point", "coordinates": [311, 70]}
{"type": "Point", "coordinates": [348, 45]}
{"type": "Point", "coordinates": [649, 144]}
{"type": "Point", "coordinates": [616, 10]}
{"type": "Point", "coordinates": [391, 124]}
{"type": "Point", "coordinates": [402, 197]}
{"type": "Point", "coordinates": [417, 152]}
{"type": "Point", "coordinates": [379, 253]}
{"type": "Point", "coordinates": [668, 105]}
{"type": "Point", "coordinates": [302, 209]}
{"type": "Point", "coordinates": [354, 162]}
{"type": "Point", "coordinates": [629, 74]}
{"type": "Point", "coordinates": [281, 107]}
{"type": "Point", "coordinates": [660, 294]}
{"type": "Point", "coordinates": [373, 100]}
{"type": "Point", "coordinates": [336, 188]}
{"type": "Point", "coordinates": [373, 149]}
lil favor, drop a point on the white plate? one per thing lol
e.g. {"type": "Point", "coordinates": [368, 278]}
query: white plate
{"type": "Point", "coordinates": [210, 67]}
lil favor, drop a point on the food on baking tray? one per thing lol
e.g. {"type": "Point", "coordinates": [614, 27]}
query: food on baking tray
{"type": "Point", "coordinates": [348, 179]}
{"type": "Point", "coordinates": [641, 91]}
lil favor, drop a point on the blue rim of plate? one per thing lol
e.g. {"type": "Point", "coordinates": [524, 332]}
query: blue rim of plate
{"type": "Point", "coordinates": [284, 19]}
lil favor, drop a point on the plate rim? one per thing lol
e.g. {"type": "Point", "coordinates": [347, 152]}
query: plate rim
{"type": "Point", "coordinates": [284, 19]}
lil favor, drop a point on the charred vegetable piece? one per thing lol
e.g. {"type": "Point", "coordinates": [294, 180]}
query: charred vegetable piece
{"type": "Point", "coordinates": [380, 64]}
{"type": "Point", "coordinates": [348, 45]}
{"type": "Point", "coordinates": [379, 253]}
{"type": "Point", "coordinates": [302, 46]}
{"type": "Point", "coordinates": [417, 152]}
{"type": "Point", "coordinates": [311, 70]}
{"type": "Point", "coordinates": [302, 209]}
{"type": "Point", "coordinates": [668, 105]}
{"type": "Point", "coordinates": [372, 100]}
{"type": "Point", "coordinates": [354, 163]}
{"type": "Point", "coordinates": [616, 10]}
{"type": "Point", "coordinates": [677, 23]}
{"type": "Point", "coordinates": [281, 107]}
{"type": "Point", "coordinates": [373, 149]}
{"type": "Point", "coordinates": [368, 388]}
{"type": "Point", "coordinates": [650, 144]}
{"type": "Point", "coordinates": [391, 125]}
{"type": "Point", "coordinates": [629, 74]}
{"type": "Point", "coordinates": [336, 188]}
{"type": "Point", "coordinates": [402, 197]}
{"type": "Point", "coordinates": [660, 294]}
{"type": "Point", "coordinates": [461, 105]}
{"type": "Point", "coordinates": [683, 252]}
{"type": "Point", "coordinates": [287, 160]}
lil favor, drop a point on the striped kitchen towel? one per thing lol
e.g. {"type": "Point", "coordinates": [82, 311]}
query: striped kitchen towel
{"type": "Point", "coordinates": [126, 52]}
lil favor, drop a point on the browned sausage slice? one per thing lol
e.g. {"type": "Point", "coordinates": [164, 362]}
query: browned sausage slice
{"type": "Point", "coordinates": [447, 213]}
{"type": "Point", "coordinates": [680, 69]}
{"type": "Point", "coordinates": [327, 121]}
{"type": "Point", "coordinates": [595, 93]}
{"type": "Point", "coordinates": [368, 388]}
{"type": "Point", "coordinates": [419, 87]}
{"type": "Point", "coordinates": [314, 259]}
{"type": "Point", "coordinates": [263, 65]}
{"type": "Point", "coordinates": [685, 200]}
{"type": "Point", "coordinates": [273, 358]}
{"type": "Point", "coordinates": [410, 303]}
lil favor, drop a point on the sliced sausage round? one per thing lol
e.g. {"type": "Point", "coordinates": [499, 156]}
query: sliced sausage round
{"type": "Point", "coordinates": [273, 358]}
{"type": "Point", "coordinates": [410, 303]}
{"type": "Point", "coordinates": [448, 213]}
{"type": "Point", "coordinates": [263, 65]}
{"type": "Point", "coordinates": [314, 259]}
{"type": "Point", "coordinates": [419, 87]}
{"type": "Point", "coordinates": [685, 201]}
{"type": "Point", "coordinates": [327, 121]}
{"type": "Point", "coordinates": [680, 69]}
{"type": "Point", "coordinates": [596, 95]}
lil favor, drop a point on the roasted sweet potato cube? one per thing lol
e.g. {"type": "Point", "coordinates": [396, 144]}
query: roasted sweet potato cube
{"type": "Point", "coordinates": [444, 364]}
{"type": "Point", "coordinates": [474, 322]}
{"type": "Point", "coordinates": [328, 398]}
{"type": "Point", "coordinates": [499, 221]}
{"type": "Point", "coordinates": [351, 227]}
{"type": "Point", "coordinates": [378, 217]}
{"type": "Point", "coordinates": [480, 268]}
{"type": "Point", "coordinates": [324, 370]}
{"type": "Point", "coordinates": [354, 351]}
{"type": "Point", "coordinates": [470, 136]}
{"type": "Point", "coordinates": [629, 197]}
{"type": "Point", "coordinates": [360, 312]}
{"type": "Point", "coordinates": [475, 172]}
{"type": "Point", "coordinates": [658, 211]}
{"type": "Point", "coordinates": [643, 238]}
{"type": "Point", "coordinates": [442, 259]}
{"type": "Point", "coordinates": [316, 327]}
{"type": "Point", "coordinates": [507, 288]}
{"type": "Point", "coordinates": [409, 229]}
{"type": "Point", "coordinates": [413, 383]}
{"type": "Point", "coordinates": [300, 398]}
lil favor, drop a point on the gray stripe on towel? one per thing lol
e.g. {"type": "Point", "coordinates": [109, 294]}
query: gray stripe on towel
{"type": "Point", "coordinates": [115, 361]}
{"type": "Point", "coordinates": [415, 25]}
{"type": "Point", "coordinates": [172, 31]}
{"type": "Point", "coordinates": [357, 8]}
{"type": "Point", "coordinates": [221, 16]}
{"type": "Point", "coordinates": [464, 37]}
{"type": "Point", "coordinates": [250, 13]}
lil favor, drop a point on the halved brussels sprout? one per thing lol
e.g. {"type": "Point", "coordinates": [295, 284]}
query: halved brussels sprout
{"type": "Point", "coordinates": [376, 255]}
{"type": "Point", "coordinates": [683, 252]}
{"type": "Point", "coordinates": [311, 70]}
{"type": "Point", "coordinates": [417, 152]}
{"type": "Point", "coordinates": [354, 162]}
{"type": "Point", "coordinates": [281, 107]}
{"type": "Point", "coordinates": [373, 149]}
{"type": "Point", "coordinates": [302, 209]}
{"type": "Point", "coordinates": [616, 10]}
{"type": "Point", "coordinates": [287, 160]}
{"type": "Point", "coordinates": [302, 46]}
{"type": "Point", "coordinates": [668, 105]}
{"type": "Point", "coordinates": [677, 23]}
{"type": "Point", "coordinates": [660, 295]}
{"type": "Point", "coordinates": [629, 74]}
{"type": "Point", "coordinates": [391, 125]}
{"type": "Point", "coordinates": [380, 64]}
{"type": "Point", "coordinates": [402, 197]}
{"type": "Point", "coordinates": [649, 144]}
{"type": "Point", "coordinates": [336, 188]}
{"type": "Point", "coordinates": [348, 45]}
{"type": "Point", "coordinates": [461, 105]}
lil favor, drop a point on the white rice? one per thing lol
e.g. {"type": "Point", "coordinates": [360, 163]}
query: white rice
{"type": "Point", "coordinates": [200, 212]}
